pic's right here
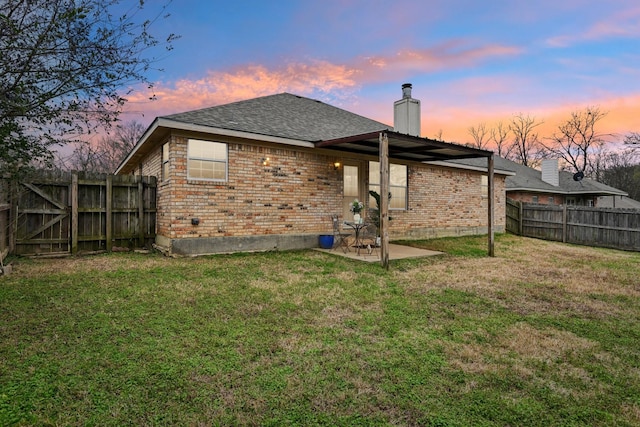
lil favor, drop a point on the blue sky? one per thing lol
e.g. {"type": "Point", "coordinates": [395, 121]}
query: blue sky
{"type": "Point", "coordinates": [469, 61]}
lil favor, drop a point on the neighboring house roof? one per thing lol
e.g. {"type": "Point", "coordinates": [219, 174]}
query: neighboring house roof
{"type": "Point", "coordinates": [283, 115]}
{"type": "Point", "coordinates": [530, 179]}
{"type": "Point", "coordinates": [620, 202]}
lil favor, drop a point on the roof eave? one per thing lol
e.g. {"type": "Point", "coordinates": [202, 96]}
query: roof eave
{"type": "Point", "coordinates": [469, 167]}
{"type": "Point", "coordinates": [162, 123]}
{"type": "Point", "coordinates": [568, 192]}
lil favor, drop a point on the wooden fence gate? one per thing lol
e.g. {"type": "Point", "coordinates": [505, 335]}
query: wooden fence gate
{"type": "Point", "coordinates": [68, 213]}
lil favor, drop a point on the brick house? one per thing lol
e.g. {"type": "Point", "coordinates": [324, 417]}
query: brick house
{"type": "Point", "coordinates": [267, 173]}
{"type": "Point", "coordinates": [551, 186]}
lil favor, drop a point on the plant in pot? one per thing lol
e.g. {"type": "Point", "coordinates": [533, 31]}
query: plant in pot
{"type": "Point", "coordinates": [374, 213]}
{"type": "Point", "coordinates": [356, 207]}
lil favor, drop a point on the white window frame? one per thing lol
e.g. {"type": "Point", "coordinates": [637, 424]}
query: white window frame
{"type": "Point", "coordinates": [165, 161]}
{"type": "Point", "coordinates": [224, 161]}
{"type": "Point", "coordinates": [375, 186]}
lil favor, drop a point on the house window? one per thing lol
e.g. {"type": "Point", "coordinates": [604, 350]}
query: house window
{"type": "Point", "coordinates": [551, 200]}
{"type": "Point", "coordinates": [165, 161]}
{"type": "Point", "coordinates": [534, 199]}
{"type": "Point", "coordinates": [484, 185]}
{"type": "Point", "coordinates": [397, 185]}
{"type": "Point", "coordinates": [571, 201]}
{"type": "Point", "coordinates": [207, 160]}
{"type": "Point", "coordinates": [590, 203]}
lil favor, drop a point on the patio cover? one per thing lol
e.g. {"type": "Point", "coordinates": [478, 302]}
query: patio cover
{"type": "Point", "coordinates": [390, 144]}
{"type": "Point", "coordinates": [403, 146]}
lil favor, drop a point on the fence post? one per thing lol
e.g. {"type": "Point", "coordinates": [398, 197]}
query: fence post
{"type": "Point", "coordinates": [490, 202]}
{"type": "Point", "coordinates": [564, 223]}
{"type": "Point", "coordinates": [13, 216]}
{"type": "Point", "coordinates": [520, 217]}
{"type": "Point", "coordinates": [74, 213]}
{"type": "Point", "coordinates": [141, 227]}
{"type": "Point", "coordinates": [109, 213]}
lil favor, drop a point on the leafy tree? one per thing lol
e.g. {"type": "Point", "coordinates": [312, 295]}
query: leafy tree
{"type": "Point", "coordinates": [65, 69]}
{"type": "Point", "coordinates": [622, 171]}
{"type": "Point", "coordinates": [633, 139]}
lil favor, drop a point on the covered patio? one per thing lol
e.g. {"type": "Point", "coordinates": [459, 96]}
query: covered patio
{"type": "Point", "coordinates": [387, 144]}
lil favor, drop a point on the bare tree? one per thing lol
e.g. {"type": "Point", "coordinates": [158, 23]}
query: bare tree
{"type": "Point", "coordinates": [600, 160]}
{"type": "Point", "coordinates": [526, 144]}
{"type": "Point", "coordinates": [480, 135]}
{"type": "Point", "coordinates": [500, 137]}
{"type": "Point", "coordinates": [116, 147]}
{"type": "Point", "coordinates": [106, 155]}
{"type": "Point", "coordinates": [577, 139]}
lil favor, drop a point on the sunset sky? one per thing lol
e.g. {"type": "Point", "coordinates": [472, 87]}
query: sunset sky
{"type": "Point", "coordinates": [469, 61]}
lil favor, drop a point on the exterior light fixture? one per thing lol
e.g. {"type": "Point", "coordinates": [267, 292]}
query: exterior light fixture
{"type": "Point", "coordinates": [265, 161]}
{"type": "Point", "coordinates": [336, 165]}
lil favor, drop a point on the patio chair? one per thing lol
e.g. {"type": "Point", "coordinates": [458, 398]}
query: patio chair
{"type": "Point", "coordinates": [369, 237]}
{"type": "Point", "coordinates": [340, 238]}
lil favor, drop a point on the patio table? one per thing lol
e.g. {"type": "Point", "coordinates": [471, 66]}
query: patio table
{"type": "Point", "coordinates": [357, 226]}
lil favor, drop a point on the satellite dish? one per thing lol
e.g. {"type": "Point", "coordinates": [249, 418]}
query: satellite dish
{"type": "Point", "coordinates": [578, 176]}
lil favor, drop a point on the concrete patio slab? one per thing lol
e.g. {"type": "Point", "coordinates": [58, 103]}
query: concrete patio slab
{"type": "Point", "coordinates": [395, 252]}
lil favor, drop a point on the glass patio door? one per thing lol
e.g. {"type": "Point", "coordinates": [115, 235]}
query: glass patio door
{"type": "Point", "coordinates": [351, 190]}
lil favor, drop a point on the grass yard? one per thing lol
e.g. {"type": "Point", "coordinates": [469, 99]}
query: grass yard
{"type": "Point", "coordinates": [544, 334]}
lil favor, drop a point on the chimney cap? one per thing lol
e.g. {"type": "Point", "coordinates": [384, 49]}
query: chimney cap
{"type": "Point", "coordinates": [406, 91]}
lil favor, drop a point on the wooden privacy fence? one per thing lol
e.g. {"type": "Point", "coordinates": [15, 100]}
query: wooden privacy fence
{"type": "Point", "coordinates": [5, 211]}
{"type": "Point", "coordinates": [54, 213]}
{"type": "Point", "coordinates": [604, 227]}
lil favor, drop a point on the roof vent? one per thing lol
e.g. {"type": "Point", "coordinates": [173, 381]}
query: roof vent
{"type": "Point", "coordinates": [406, 113]}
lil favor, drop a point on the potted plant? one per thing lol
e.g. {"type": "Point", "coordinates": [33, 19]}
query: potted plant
{"type": "Point", "coordinates": [374, 213]}
{"type": "Point", "coordinates": [356, 207]}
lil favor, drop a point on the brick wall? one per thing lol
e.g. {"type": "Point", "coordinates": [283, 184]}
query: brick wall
{"type": "Point", "coordinates": [297, 192]}
{"type": "Point", "coordinates": [447, 198]}
{"type": "Point", "coordinates": [558, 199]}
{"type": "Point", "coordinates": [543, 199]}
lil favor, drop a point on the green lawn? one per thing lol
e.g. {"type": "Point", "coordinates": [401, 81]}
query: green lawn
{"type": "Point", "coordinates": [543, 334]}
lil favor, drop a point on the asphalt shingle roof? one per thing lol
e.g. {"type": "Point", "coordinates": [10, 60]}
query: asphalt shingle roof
{"type": "Point", "coordinates": [530, 179]}
{"type": "Point", "coordinates": [283, 115]}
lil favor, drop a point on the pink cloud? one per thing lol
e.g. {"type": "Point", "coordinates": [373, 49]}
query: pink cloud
{"type": "Point", "coordinates": [305, 78]}
{"type": "Point", "coordinates": [218, 87]}
{"type": "Point", "coordinates": [450, 55]}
